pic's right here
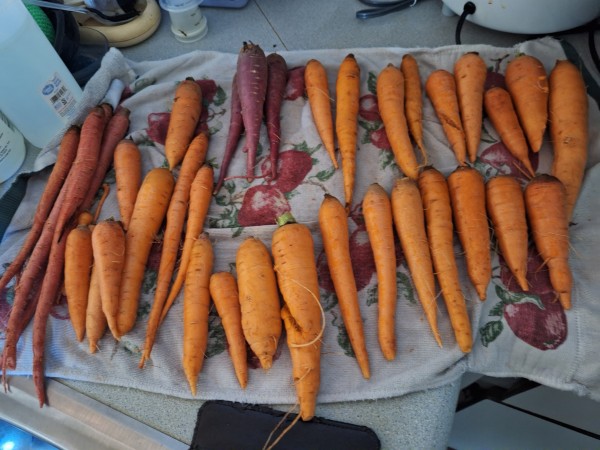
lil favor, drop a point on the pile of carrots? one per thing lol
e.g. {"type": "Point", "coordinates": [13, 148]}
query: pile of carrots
{"type": "Point", "coordinates": [275, 290]}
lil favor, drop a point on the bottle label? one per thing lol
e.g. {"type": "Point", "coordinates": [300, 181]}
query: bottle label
{"type": "Point", "coordinates": [60, 97]}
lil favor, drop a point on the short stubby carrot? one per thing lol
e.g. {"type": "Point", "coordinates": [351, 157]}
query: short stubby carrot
{"type": "Point", "coordinates": [390, 98]}
{"type": "Point", "coordinates": [527, 82]}
{"type": "Point", "coordinates": [569, 134]}
{"type": "Point", "coordinates": [377, 211]}
{"type": "Point", "coordinates": [128, 177]}
{"type": "Point", "coordinates": [470, 73]}
{"type": "Point", "coordinates": [413, 101]}
{"type": "Point", "coordinates": [224, 292]}
{"type": "Point", "coordinates": [545, 198]}
{"type": "Point", "coordinates": [347, 89]}
{"type": "Point", "coordinates": [148, 214]}
{"type": "Point", "coordinates": [333, 223]}
{"type": "Point", "coordinates": [467, 194]}
{"type": "Point", "coordinates": [259, 299]}
{"type": "Point", "coordinates": [441, 90]}
{"type": "Point", "coordinates": [317, 91]}
{"type": "Point", "coordinates": [196, 307]}
{"type": "Point", "coordinates": [501, 112]}
{"type": "Point", "coordinates": [506, 208]}
{"type": "Point", "coordinates": [185, 114]}
{"type": "Point", "coordinates": [440, 232]}
{"type": "Point", "coordinates": [409, 221]}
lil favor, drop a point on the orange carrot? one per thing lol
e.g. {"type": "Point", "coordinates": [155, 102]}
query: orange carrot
{"type": "Point", "coordinates": [64, 159]}
{"type": "Point", "coordinates": [568, 105]}
{"type": "Point", "coordinates": [185, 114]}
{"type": "Point", "coordinates": [259, 299]}
{"type": "Point", "coordinates": [293, 255]}
{"type": "Point", "coordinates": [178, 206]}
{"type": "Point", "coordinates": [346, 120]}
{"type": "Point", "coordinates": [333, 222]}
{"type": "Point", "coordinates": [545, 198]}
{"type": "Point", "coordinates": [390, 98]}
{"type": "Point", "coordinates": [527, 82]}
{"type": "Point", "coordinates": [438, 216]}
{"type": "Point", "coordinates": [200, 197]}
{"type": "Point", "coordinates": [128, 176]}
{"type": "Point", "coordinates": [506, 208]}
{"type": "Point", "coordinates": [377, 210]}
{"type": "Point", "coordinates": [441, 90]}
{"type": "Point", "coordinates": [108, 242]}
{"type": "Point", "coordinates": [224, 292]}
{"type": "Point", "coordinates": [317, 90]}
{"type": "Point", "coordinates": [148, 214]}
{"type": "Point", "coordinates": [502, 115]}
{"type": "Point", "coordinates": [78, 264]}
{"type": "Point", "coordinates": [95, 320]}
{"type": "Point", "coordinates": [196, 306]}
{"type": "Point", "coordinates": [470, 73]}
{"type": "Point", "coordinates": [413, 101]}
{"type": "Point", "coordinates": [409, 220]}
{"type": "Point", "coordinates": [467, 194]}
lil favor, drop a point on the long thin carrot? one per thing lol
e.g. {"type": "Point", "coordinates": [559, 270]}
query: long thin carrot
{"type": "Point", "coordinates": [95, 319]}
{"type": "Point", "coordinates": [236, 126]}
{"type": "Point", "coordinates": [200, 197]}
{"type": "Point", "coordinates": [64, 159]}
{"type": "Point", "coordinates": [545, 198]}
{"type": "Point", "coordinates": [506, 208]}
{"type": "Point", "coordinates": [409, 220]}
{"type": "Point", "coordinates": [196, 306]}
{"type": "Point", "coordinates": [377, 210]}
{"type": "Point", "coordinates": [470, 73]}
{"type": "Point", "coordinates": [441, 90]}
{"type": "Point", "coordinates": [108, 242]}
{"type": "Point", "coordinates": [467, 194]}
{"type": "Point", "coordinates": [293, 255]}
{"type": "Point", "coordinates": [347, 90]}
{"type": "Point", "coordinates": [527, 82]}
{"type": "Point", "coordinates": [277, 80]}
{"type": "Point", "coordinates": [390, 98]}
{"type": "Point", "coordinates": [259, 299]}
{"type": "Point", "coordinates": [148, 214]}
{"type": "Point", "coordinates": [413, 101]}
{"type": "Point", "coordinates": [333, 223]}
{"type": "Point", "coordinates": [178, 206]}
{"type": "Point", "coordinates": [438, 216]}
{"type": "Point", "coordinates": [252, 73]}
{"type": "Point", "coordinates": [224, 292]}
{"type": "Point", "coordinates": [500, 110]}
{"type": "Point", "coordinates": [128, 177]}
{"type": "Point", "coordinates": [569, 134]}
{"type": "Point", "coordinates": [185, 114]}
{"type": "Point", "coordinates": [317, 90]}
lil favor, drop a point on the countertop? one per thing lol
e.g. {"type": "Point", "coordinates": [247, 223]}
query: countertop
{"type": "Point", "coordinates": [419, 420]}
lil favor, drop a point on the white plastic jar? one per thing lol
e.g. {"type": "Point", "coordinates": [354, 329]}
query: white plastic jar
{"type": "Point", "coordinates": [37, 92]}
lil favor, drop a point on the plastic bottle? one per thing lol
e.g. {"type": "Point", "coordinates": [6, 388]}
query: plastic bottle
{"type": "Point", "coordinates": [37, 92]}
{"type": "Point", "coordinates": [12, 149]}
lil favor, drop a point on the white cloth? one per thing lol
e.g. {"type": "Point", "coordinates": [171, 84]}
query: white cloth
{"type": "Point", "coordinates": [420, 363]}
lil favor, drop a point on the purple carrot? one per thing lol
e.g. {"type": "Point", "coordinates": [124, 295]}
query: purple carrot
{"type": "Point", "coordinates": [277, 80]}
{"type": "Point", "coordinates": [236, 126]}
{"type": "Point", "coordinates": [252, 76]}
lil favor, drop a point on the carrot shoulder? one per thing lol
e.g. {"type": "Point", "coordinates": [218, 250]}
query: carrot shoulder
{"type": "Point", "coordinates": [390, 98]}
{"type": "Point", "coordinates": [347, 90]}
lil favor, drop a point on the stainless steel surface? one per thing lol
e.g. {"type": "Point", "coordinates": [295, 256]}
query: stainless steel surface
{"type": "Point", "coordinates": [75, 421]}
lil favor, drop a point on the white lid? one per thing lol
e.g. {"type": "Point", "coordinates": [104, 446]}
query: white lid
{"type": "Point", "coordinates": [177, 5]}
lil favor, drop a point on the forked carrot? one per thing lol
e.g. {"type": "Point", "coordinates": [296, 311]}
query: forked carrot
{"type": "Point", "coordinates": [390, 98]}
{"type": "Point", "coordinates": [347, 90]}
{"type": "Point", "coordinates": [409, 220]}
{"type": "Point", "coordinates": [317, 90]}
{"type": "Point", "coordinates": [333, 223]}
{"type": "Point", "coordinates": [440, 231]}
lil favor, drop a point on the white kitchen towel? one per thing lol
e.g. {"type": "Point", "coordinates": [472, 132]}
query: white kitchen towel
{"type": "Point", "coordinates": [516, 334]}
